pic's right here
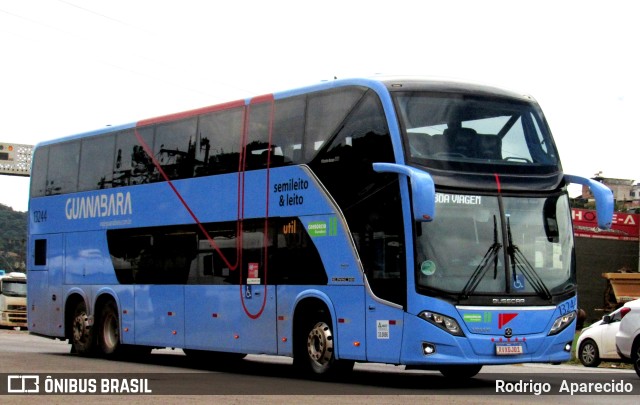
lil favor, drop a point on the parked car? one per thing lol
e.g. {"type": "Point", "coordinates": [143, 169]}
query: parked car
{"type": "Point", "coordinates": [628, 335]}
{"type": "Point", "coordinates": [597, 342]}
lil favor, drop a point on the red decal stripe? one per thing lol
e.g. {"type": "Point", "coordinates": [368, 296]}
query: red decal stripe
{"type": "Point", "coordinates": [497, 182]}
{"type": "Point", "coordinates": [191, 113]}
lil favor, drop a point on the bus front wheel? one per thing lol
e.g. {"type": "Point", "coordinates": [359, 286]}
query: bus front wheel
{"type": "Point", "coordinates": [320, 347]}
{"type": "Point", "coordinates": [315, 350]}
{"type": "Point", "coordinates": [461, 371]}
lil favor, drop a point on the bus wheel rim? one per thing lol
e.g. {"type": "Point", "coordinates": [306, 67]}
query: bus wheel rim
{"type": "Point", "coordinates": [79, 329]}
{"type": "Point", "coordinates": [320, 344]}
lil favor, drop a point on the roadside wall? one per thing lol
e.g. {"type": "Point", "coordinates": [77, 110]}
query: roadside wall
{"type": "Point", "coordinates": [597, 256]}
{"type": "Point", "coordinates": [598, 252]}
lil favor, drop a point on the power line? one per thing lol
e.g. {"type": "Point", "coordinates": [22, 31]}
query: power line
{"type": "Point", "coordinates": [126, 68]}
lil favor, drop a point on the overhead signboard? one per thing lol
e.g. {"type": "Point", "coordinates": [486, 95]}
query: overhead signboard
{"type": "Point", "coordinates": [15, 159]}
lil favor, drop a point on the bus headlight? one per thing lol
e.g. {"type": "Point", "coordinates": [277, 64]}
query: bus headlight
{"type": "Point", "coordinates": [562, 322]}
{"type": "Point", "coordinates": [443, 322]}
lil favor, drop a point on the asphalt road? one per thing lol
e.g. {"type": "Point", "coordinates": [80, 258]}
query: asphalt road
{"type": "Point", "coordinates": [272, 380]}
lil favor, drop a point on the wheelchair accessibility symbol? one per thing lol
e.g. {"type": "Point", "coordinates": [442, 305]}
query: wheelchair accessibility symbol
{"type": "Point", "coordinates": [518, 282]}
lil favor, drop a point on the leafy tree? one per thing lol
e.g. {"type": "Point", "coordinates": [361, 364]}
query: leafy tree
{"type": "Point", "coordinates": [13, 239]}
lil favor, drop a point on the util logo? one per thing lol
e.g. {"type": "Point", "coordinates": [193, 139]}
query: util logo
{"type": "Point", "coordinates": [504, 319]}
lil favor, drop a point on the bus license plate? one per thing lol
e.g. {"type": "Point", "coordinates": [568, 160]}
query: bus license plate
{"type": "Point", "coordinates": [509, 349]}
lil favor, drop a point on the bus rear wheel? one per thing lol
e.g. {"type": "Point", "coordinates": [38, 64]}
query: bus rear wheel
{"type": "Point", "coordinates": [108, 330]}
{"type": "Point", "coordinates": [213, 358]}
{"type": "Point", "coordinates": [82, 337]}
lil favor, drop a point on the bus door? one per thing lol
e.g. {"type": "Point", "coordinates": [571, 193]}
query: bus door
{"type": "Point", "coordinates": [386, 281]}
{"type": "Point", "coordinates": [258, 328]}
{"type": "Point", "coordinates": [44, 286]}
{"type": "Point", "coordinates": [384, 331]}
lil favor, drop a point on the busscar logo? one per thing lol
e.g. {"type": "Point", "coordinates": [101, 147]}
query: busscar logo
{"type": "Point", "coordinates": [23, 384]}
{"type": "Point", "coordinates": [508, 301]}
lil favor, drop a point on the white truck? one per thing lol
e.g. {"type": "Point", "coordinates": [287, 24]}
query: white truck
{"type": "Point", "coordinates": [13, 299]}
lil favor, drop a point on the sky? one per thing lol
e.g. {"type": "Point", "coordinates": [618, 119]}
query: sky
{"type": "Point", "coordinates": [71, 66]}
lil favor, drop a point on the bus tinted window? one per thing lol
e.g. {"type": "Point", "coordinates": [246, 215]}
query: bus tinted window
{"type": "Point", "coordinates": [152, 256]}
{"type": "Point", "coordinates": [184, 255]}
{"type": "Point", "coordinates": [40, 252]}
{"type": "Point", "coordinates": [39, 171]}
{"type": "Point", "coordinates": [294, 258]}
{"type": "Point", "coordinates": [175, 148]}
{"type": "Point", "coordinates": [220, 138]}
{"type": "Point", "coordinates": [288, 128]}
{"type": "Point", "coordinates": [132, 164]}
{"type": "Point", "coordinates": [326, 111]}
{"type": "Point", "coordinates": [362, 139]}
{"type": "Point", "coordinates": [257, 144]}
{"type": "Point", "coordinates": [369, 200]}
{"type": "Point", "coordinates": [62, 176]}
{"type": "Point", "coordinates": [96, 163]}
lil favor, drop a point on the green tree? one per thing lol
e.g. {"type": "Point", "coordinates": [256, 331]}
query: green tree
{"type": "Point", "coordinates": [13, 237]}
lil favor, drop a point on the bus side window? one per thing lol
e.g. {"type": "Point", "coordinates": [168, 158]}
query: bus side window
{"type": "Point", "coordinates": [62, 176]}
{"type": "Point", "coordinates": [39, 171]}
{"type": "Point", "coordinates": [216, 256]}
{"type": "Point", "coordinates": [40, 252]}
{"type": "Point", "coordinates": [288, 129]}
{"type": "Point", "coordinates": [293, 258]}
{"type": "Point", "coordinates": [132, 165]}
{"type": "Point", "coordinates": [326, 112]}
{"type": "Point", "coordinates": [218, 141]}
{"type": "Point", "coordinates": [370, 200]}
{"type": "Point", "coordinates": [257, 143]}
{"type": "Point", "coordinates": [175, 146]}
{"type": "Point", "coordinates": [96, 163]}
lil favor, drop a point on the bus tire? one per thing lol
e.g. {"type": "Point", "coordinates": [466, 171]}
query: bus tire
{"type": "Point", "coordinates": [108, 330]}
{"type": "Point", "coordinates": [213, 358]}
{"type": "Point", "coordinates": [82, 336]}
{"type": "Point", "coordinates": [314, 353]}
{"type": "Point", "coordinates": [461, 371]}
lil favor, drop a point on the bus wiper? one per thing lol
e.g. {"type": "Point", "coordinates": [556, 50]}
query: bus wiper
{"type": "Point", "coordinates": [519, 261]}
{"type": "Point", "coordinates": [483, 267]}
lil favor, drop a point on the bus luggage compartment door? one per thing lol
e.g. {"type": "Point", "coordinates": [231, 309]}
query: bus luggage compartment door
{"type": "Point", "coordinates": [44, 285]}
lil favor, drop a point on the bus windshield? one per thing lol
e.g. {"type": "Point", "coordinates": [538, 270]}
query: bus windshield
{"type": "Point", "coordinates": [445, 128]}
{"type": "Point", "coordinates": [497, 247]}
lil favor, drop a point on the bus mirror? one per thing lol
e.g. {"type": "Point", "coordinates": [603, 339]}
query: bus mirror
{"type": "Point", "coordinates": [603, 196]}
{"type": "Point", "coordinates": [422, 189]}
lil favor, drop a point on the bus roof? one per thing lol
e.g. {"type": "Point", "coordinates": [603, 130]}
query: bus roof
{"type": "Point", "coordinates": [381, 84]}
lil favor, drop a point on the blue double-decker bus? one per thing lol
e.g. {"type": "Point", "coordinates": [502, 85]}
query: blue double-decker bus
{"type": "Point", "coordinates": [395, 220]}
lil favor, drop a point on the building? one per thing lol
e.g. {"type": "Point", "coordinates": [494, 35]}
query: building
{"type": "Point", "coordinates": [635, 196]}
{"type": "Point", "coordinates": [625, 193]}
